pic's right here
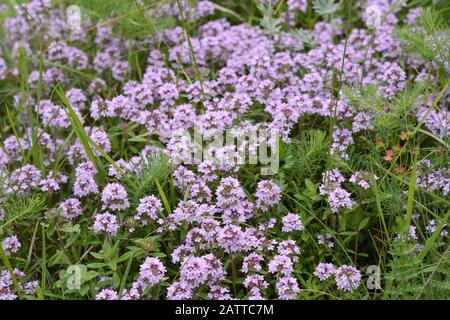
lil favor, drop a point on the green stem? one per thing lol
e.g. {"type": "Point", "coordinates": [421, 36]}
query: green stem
{"type": "Point", "coordinates": [233, 274]}
{"type": "Point", "coordinates": [11, 272]}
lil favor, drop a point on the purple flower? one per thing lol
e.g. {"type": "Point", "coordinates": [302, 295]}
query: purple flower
{"type": "Point", "coordinates": [217, 292]}
{"type": "Point", "coordinates": [231, 238]}
{"type": "Point", "coordinates": [232, 200]}
{"type": "Point", "coordinates": [432, 226]}
{"type": "Point", "coordinates": [268, 224]}
{"type": "Point", "coordinates": [289, 248]}
{"type": "Point", "coordinates": [119, 70]}
{"type": "Point", "coordinates": [106, 222]}
{"type": "Point", "coordinates": [12, 146]}
{"type": "Point", "coordinates": [338, 199]}
{"type": "Point", "coordinates": [179, 291]}
{"type": "Point", "coordinates": [255, 294]}
{"type": "Point", "coordinates": [84, 179]}
{"type": "Point", "coordinates": [100, 138]}
{"type": "Point", "coordinates": [7, 289]}
{"type": "Point", "coordinates": [362, 121]}
{"type": "Point", "coordinates": [412, 233]}
{"type": "Point", "coordinates": [150, 206]}
{"type": "Point", "coordinates": [24, 178]}
{"type": "Point", "coordinates": [11, 245]}
{"type": "Point", "coordinates": [107, 294]}
{"type": "Point", "coordinates": [200, 192]}
{"type": "Point", "coordinates": [342, 138]}
{"type": "Point", "coordinates": [326, 240]}
{"type": "Point", "coordinates": [3, 69]}
{"type": "Point", "coordinates": [49, 185]}
{"type": "Point", "coordinates": [71, 208]}
{"type": "Point", "coordinates": [186, 211]}
{"type": "Point", "coordinates": [312, 82]}
{"type": "Point", "coordinates": [362, 178]}
{"type": "Point", "coordinates": [76, 153]}
{"type": "Point", "coordinates": [115, 197]}
{"type": "Point", "coordinates": [297, 5]}
{"type": "Point", "coordinates": [337, 196]}
{"type": "Point", "coordinates": [287, 288]}
{"type": "Point", "coordinates": [54, 115]}
{"type": "Point", "coordinates": [207, 168]}
{"type": "Point", "coordinates": [281, 264]}
{"type": "Point", "coordinates": [267, 194]}
{"type": "Point", "coordinates": [330, 181]}
{"type": "Point", "coordinates": [252, 262]}
{"type": "Point", "coordinates": [348, 278]}
{"type": "Point", "coordinates": [183, 177]}
{"type": "Point", "coordinates": [197, 238]}
{"type": "Point", "coordinates": [255, 281]}
{"type": "Point", "coordinates": [84, 185]}
{"type": "Point", "coordinates": [97, 85]}
{"type": "Point", "coordinates": [182, 252]}
{"type": "Point", "coordinates": [438, 179]}
{"type": "Point", "coordinates": [76, 98]}
{"type": "Point", "coordinates": [152, 271]}
{"type": "Point", "coordinates": [216, 272]}
{"type": "Point", "coordinates": [393, 78]}
{"type": "Point", "coordinates": [194, 271]}
{"type": "Point", "coordinates": [168, 93]}
{"type": "Point", "coordinates": [291, 222]}
{"type": "Point", "coordinates": [324, 271]}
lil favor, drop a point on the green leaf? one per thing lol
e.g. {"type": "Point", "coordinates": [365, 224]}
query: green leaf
{"type": "Point", "coordinates": [325, 7]}
{"type": "Point", "coordinates": [97, 265]}
{"type": "Point", "coordinates": [18, 209]}
{"type": "Point", "coordinates": [81, 133]}
{"type": "Point", "coordinates": [348, 233]}
{"type": "Point", "coordinates": [363, 223]}
{"type": "Point", "coordinates": [97, 255]}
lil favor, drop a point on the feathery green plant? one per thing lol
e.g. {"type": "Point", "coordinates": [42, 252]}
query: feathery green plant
{"type": "Point", "coordinates": [428, 38]}
{"type": "Point", "coordinates": [17, 209]}
{"type": "Point", "coordinates": [153, 169]}
{"type": "Point", "coordinates": [305, 156]}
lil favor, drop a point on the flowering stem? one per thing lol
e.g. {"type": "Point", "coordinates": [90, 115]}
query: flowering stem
{"type": "Point", "coordinates": [379, 208]}
{"type": "Point", "coordinates": [185, 26]}
{"type": "Point", "coordinates": [233, 274]}
{"type": "Point", "coordinates": [43, 261]}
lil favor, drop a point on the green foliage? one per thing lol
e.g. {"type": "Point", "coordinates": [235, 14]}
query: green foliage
{"type": "Point", "coordinates": [304, 157]}
{"type": "Point", "coordinates": [125, 15]}
{"type": "Point", "coordinates": [325, 7]}
{"type": "Point", "coordinates": [75, 279]}
{"type": "Point", "coordinates": [142, 182]}
{"type": "Point", "coordinates": [269, 22]}
{"type": "Point", "coordinates": [306, 37]}
{"type": "Point", "coordinates": [428, 38]}
{"type": "Point", "coordinates": [411, 278]}
{"type": "Point", "coordinates": [406, 101]}
{"type": "Point", "coordinates": [366, 97]}
{"type": "Point", "coordinates": [82, 135]}
{"type": "Point", "coordinates": [18, 209]}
